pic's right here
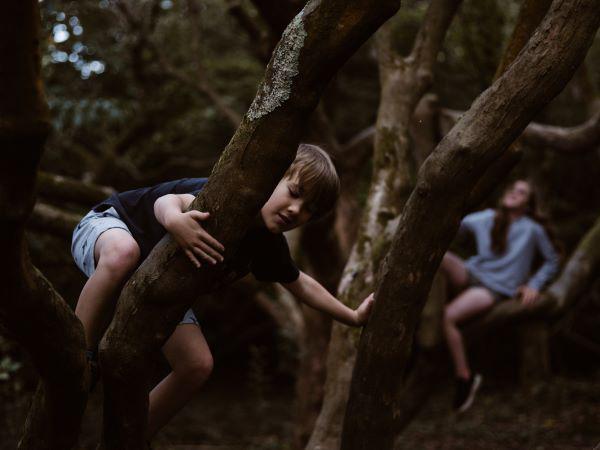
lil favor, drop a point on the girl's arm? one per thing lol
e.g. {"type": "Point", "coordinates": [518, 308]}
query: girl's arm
{"type": "Point", "coordinates": [550, 266]}
{"type": "Point", "coordinates": [311, 292]}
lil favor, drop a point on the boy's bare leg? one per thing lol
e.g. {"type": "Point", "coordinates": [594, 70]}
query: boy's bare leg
{"type": "Point", "coordinates": [191, 362]}
{"type": "Point", "coordinates": [117, 255]}
{"type": "Point", "coordinates": [471, 302]}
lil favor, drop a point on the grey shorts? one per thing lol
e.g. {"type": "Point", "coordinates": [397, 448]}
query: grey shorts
{"type": "Point", "coordinates": [86, 234]}
{"type": "Point", "coordinates": [473, 281]}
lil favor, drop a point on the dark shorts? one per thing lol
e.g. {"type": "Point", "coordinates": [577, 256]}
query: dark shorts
{"type": "Point", "coordinates": [473, 281]}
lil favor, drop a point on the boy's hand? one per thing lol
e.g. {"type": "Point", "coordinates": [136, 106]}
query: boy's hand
{"type": "Point", "coordinates": [528, 295]}
{"type": "Point", "coordinates": [195, 241]}
{"type": "Point", "coordinates": [364, 310]}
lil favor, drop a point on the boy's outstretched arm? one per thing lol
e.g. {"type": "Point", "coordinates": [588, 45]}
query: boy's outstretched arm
{"type": "Point", "coordinates": [310, 291]}
{"type": "Point", "coordinates": [170, 211]}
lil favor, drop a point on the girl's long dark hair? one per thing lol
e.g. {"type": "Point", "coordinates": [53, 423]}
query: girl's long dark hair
{"type": "Point", "coordinates": [499, 233]}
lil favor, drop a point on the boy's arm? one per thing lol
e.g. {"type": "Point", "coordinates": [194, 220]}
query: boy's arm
{"type": "Point", "coordinates": [311, 292]}
{"type": "Point", "coordinates": [170, 211]}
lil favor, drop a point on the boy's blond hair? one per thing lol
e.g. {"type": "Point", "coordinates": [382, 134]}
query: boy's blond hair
{"type": "Point", "coordinates": [317, 178]}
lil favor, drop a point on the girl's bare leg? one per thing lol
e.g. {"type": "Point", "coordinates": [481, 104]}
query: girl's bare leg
{"type": "Point", "coordinates": [191, 361]}
{"type": "Point", "coordinates": [471, 302]}
{"type": "Point", "coordinates": [455, 271]}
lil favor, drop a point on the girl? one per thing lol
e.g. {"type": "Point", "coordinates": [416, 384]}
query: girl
{"type": "Point", "coordinates": [507, 240]}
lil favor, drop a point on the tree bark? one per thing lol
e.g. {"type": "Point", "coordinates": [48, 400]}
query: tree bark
{"type": "Point", "coordinates": [30, 310]}
{"type": "Point", "coordinates": [157, 295]}
{"type": "Point", "coordinates": [496, 118]}
{"type": "Point", "coordinates": [530, 16]}
{"type": "Point", "coordinates": [403, 82]}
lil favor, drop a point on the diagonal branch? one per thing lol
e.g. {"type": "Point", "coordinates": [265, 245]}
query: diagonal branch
{"type": "Point", "coordinates": [151, 304]}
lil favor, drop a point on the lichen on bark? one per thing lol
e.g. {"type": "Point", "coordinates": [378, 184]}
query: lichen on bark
{"type": "Point", "coordinates": [276, 89]}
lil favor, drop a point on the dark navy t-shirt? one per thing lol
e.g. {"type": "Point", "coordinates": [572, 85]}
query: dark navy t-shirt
{"type": "Point", "coordinates": [261, 252]}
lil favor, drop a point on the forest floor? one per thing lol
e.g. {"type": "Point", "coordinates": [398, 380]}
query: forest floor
{"type": "Point", "coordinates": [230, 414]}
{"type": "Point", "coordinates": [236, 411]}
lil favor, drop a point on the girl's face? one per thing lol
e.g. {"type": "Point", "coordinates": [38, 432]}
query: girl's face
{"type": "Point", "coordinates": [516, 197]}
{"type": "Point", "coordinates": [286, 208]}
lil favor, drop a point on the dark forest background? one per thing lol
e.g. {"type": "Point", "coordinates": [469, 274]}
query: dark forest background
{"type": "Point", "coordinates": [149, 91]}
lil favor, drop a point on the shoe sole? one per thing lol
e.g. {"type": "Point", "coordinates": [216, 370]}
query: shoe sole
{"type": "Point", "coordinates": [474, 388]}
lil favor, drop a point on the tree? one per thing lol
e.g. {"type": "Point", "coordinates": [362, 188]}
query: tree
{"type": "Point", "coordinates": [446, 179]}
{"type": "Point", "coordinates": [31, 310]}
{"type": "Point", "coordinates": [404, 80]}
{"type": "Point", "coordinates": [154, 299]}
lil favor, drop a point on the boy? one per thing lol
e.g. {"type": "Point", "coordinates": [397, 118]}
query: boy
{"type": "Point", "coordinates": [118, 234]}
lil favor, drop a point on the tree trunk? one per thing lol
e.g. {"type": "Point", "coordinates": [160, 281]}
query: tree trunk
{"type": "Point", "coordinates": [534, 365]}
{"type": "Point", "coordinates": [433, 212]}
{"type": "Point", "coordinates": [155, 298]}
{"type": "Point", "coordinates": [30, 310]}
{"type": "Point", "coordinates": [403, 82]}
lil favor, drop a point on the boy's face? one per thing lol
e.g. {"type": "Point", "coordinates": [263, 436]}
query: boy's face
{"type": "Point", "coordinates": [286, 209]}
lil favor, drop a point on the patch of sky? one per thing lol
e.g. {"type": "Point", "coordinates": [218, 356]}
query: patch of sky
{"type": "Point", "coordinates": [103, 4]}
{"type": "Point", "coordinates": [166, 4]}
{"type": "Point", "coordinates": [60, 33]}
{"type": "Point", "coordinates": [60, 16]}
{"type": "Point", "coordinates": [77, 30]}
{"type": "Point", "coordinates": [73, 57]}
{"type": "Point", "coordinates": [60, 57]}
{"type": "Point", "coordinates": [74, 21]}
{"type": "Point", "coordinates": [94, 67]}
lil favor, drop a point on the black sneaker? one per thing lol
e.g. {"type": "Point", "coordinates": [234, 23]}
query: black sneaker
{"type": "Point", "coordinates": [465, 392]}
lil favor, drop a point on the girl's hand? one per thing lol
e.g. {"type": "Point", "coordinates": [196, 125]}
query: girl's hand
{"type": "Point", "coordinates": [195, 241]}
{"type": "Point", "coordinates": [364, 310]}
{"type": "Point", "coordinates": [528, 295]}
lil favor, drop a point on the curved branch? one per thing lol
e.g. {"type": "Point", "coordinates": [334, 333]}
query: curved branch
{"type": "Point", "coordinates": [580, 138]}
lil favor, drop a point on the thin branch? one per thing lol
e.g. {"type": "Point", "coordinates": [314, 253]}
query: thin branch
{"type": "Point", "coordinates": [259, 38]}
{"type": "Point", "coordinates": [61, 188]}
{"type": "Point", "coordinates": [198, 83]}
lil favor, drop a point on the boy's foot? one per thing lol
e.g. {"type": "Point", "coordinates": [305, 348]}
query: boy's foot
{"type": "Point", "coordinates": [465, 392]}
